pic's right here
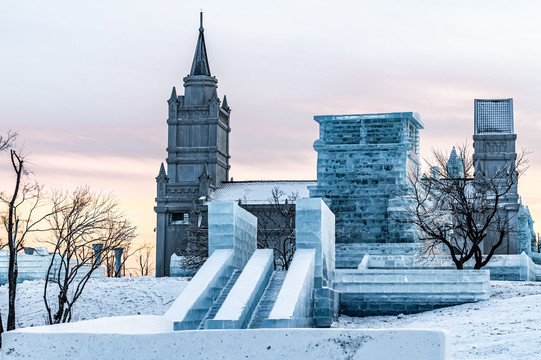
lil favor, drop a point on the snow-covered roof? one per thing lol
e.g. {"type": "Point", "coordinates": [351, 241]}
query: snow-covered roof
{"type": "Point", "coordinates": [259, 192]}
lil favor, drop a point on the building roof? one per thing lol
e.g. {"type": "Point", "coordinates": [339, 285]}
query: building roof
{"type": "Point", "coordinates": [200, 65]}
{"type": "Point", "coordinates": [493, 116]}
{"type": "Point", "coordinates": [260, 192]}
{"type": "Point", "coordinates": [413, 116]}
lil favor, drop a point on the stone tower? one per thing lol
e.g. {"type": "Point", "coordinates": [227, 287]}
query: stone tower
{"type": "Point", "coordinates": [197, 155]}
{"type": "Point", "coordinates": [494, 152]}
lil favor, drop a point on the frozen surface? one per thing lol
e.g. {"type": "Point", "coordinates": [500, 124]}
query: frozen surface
{"type": "Point", "coordinates": [232, 227]}
{"type": "Point", "coordinates": [393, 291]}
{"type": "Point", "coordinates": [132, 324]}
{"type": "Point", "coordinates": [314, 227]}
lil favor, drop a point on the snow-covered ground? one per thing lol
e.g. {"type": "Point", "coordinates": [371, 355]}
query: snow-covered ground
{"type": "Point", "coordinates": [101, 297]}
{"type": "Point", "coordinates": [508, 326]}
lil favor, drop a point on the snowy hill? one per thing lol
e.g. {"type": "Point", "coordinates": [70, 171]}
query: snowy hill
{"type": "Point", "coordinates": [507, 326]}
{"type": "Point", "coordinates": [102, 297]}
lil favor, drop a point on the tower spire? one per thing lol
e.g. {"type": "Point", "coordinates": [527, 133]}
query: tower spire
{"type": "Point", "coordinates": [200, 65]}
{"type": "Point", "coordinates": [201, 22]}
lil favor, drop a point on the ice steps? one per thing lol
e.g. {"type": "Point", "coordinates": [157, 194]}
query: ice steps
{"type": "Point", "coordinates": [264, 307]}
{"type": "Point", "coordinates": [213, 310]}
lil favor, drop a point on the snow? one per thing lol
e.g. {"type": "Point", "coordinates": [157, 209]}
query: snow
{"type": "Point", "coordinates": [259, 192]}
{"type": "Point", "coordinates": [101, 297]}
{"type": "Point", "coordinates": [505, 327]}
{"type": "Point", "coordinates": [261, 344]}
{"type": "Point", "coordinates": [131, 324]}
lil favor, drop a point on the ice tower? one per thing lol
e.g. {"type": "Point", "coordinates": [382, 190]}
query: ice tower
{"type": "Point", "coordinates": [362, 160]}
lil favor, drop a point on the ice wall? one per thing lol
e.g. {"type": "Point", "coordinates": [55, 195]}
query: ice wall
{"type": "Point", "coordinates": [232, 227]}
{"type": "Point", "coordinates": [314, 227]}
{"type": "Point", "coordinates": [362, 162]}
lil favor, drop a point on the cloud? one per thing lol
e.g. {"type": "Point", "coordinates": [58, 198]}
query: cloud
{"type": "Point", "coordinates": [86, 84]}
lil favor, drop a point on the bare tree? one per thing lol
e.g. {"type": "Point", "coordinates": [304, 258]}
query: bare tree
{"type": "Point", "coordinates": [463, 214]}
{"type": "Point", "coordinates": [275, 230]}
{"type": "Point", "coordinates": [79, 220]}
{"type": "Point", "coordinates": [21, 216]}
{"type": "Point", "coordinates": [143, 259]}
{"type": "Point", "coordinates": [120, 239]}
{"type": "Point", "coordinates": [6, 142]}
{"type": "Point", "coordinates": [196, 249]}
{"type": "Point", "coordinates": [276, 226]}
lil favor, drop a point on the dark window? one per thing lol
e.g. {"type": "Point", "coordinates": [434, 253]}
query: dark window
{"type": "Point", "coordinates": [179, 218]}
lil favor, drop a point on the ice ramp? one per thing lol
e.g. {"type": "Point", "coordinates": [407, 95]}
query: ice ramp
{"type": "Point", "coordinates": [232, 241]}
{"type": "Point", "coordinates": [257, 302]}
{"type": "Point", "coordinates": [294, 305]}
{"type": "Point", "coordinates": [236, 288]}
{"type": "Point", "coordinates": [221, 297]}
{"type": "Point", "coordinates": [191, 307]}
{"type": "Point", "coordinates": [239, 305]}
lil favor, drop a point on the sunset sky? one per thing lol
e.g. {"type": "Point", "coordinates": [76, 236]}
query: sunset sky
{"type": "Point", "coordinates": [86, 83]}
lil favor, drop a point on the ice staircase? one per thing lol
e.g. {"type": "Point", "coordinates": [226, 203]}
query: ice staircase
{"type": "Point", "coordinates": [267, 300]}
{"type": "Point", "coordinates": [222, 297]}
{"type": "Point", "coordinates": [237, 288]}
{"type": "Point", "coordinates": [217, 303]}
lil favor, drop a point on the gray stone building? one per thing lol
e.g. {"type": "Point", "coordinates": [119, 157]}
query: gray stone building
{"type": "Point", "coordinates": [197, 154]}
{"type": "Point", "coordinates": [494, 152]}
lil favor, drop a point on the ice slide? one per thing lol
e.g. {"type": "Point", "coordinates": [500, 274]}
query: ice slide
{"type": "Point", "coordinates": [237, 287]}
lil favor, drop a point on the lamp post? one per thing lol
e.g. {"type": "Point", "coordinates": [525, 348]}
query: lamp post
{"type": "Point", "coordinates": [118, 260]}
{"type": "Point", "coordinates": [97, 253]}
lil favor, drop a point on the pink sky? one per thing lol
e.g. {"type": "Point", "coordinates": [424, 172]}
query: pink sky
{"type": "Point", "coordinates": [86, 84]}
